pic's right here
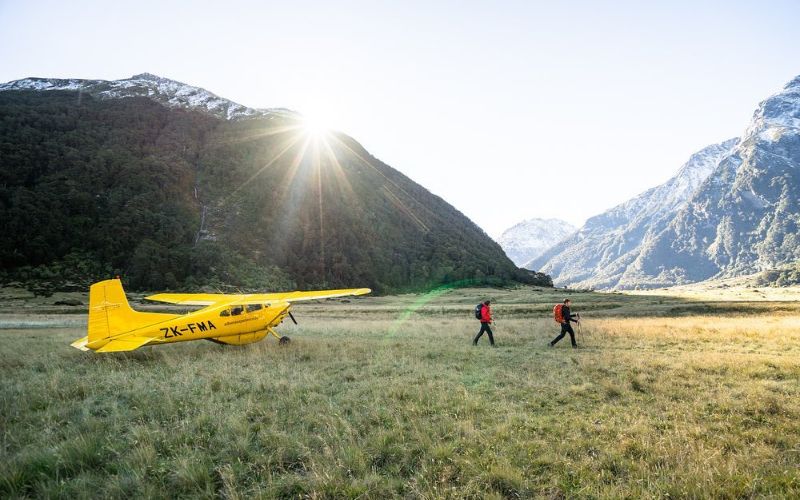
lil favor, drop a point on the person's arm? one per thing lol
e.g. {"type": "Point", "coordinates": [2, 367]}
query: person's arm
{"type": "Point", "coordinates": [569, 316]}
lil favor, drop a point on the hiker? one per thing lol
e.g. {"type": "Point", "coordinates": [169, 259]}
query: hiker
{"type": "Point", "coordinates": [563, 316]}
{"type": "Point", "coordinates": [484, 313]}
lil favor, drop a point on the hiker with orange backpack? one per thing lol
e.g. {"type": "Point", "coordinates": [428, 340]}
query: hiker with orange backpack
{"type": "Point", "coordinates": [563, 316]}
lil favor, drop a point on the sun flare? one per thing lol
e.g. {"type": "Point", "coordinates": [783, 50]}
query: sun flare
{"type": "Point", "coordinates": [315, 128]}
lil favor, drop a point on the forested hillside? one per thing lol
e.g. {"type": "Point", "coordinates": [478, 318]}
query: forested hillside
{"type": "Point", "coordinates": [175, 198]}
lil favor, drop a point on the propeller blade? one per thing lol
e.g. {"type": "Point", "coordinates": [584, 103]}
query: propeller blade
{"type": "Point", "coordinates": [292, 316]}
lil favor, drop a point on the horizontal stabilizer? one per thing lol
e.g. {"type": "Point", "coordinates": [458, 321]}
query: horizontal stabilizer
{"type": "Point", "coordinates": [128, 343]}
{"type": "Point", "coordinates": [81, 344]}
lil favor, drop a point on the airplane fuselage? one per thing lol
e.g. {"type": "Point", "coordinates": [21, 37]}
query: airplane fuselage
{"type": "Point", "coordinates": [231, 324]}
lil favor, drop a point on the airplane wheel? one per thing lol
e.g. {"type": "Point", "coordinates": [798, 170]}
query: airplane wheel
{"type": "Point", "coordinates": [284, 340]}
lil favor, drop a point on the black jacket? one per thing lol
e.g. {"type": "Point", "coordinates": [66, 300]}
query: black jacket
{"type": "Point", "coordinates": [568, 316]}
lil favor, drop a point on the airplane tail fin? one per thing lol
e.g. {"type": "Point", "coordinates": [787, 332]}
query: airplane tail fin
{"type": "Point", "coordinates": [111, 316]}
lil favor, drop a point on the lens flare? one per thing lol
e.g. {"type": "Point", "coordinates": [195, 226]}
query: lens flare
{"type": "Point", "coordinates": [315, 128]}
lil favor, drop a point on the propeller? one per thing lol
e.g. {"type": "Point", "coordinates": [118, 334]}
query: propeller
{"type": "Point", "coordinates": [292, 316]}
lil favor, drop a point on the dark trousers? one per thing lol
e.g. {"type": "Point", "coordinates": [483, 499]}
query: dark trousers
{"type": "Point", "coordinates": [484, 328]}
{"type": "Point", "coordinates": [565, 329]}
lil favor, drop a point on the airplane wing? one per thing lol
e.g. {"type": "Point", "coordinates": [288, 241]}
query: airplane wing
{"type": "Point", "coordinates": [299, 296]}
{"type": "Point", "coordinates": [207, 299]}
{"type": "Point", "coordinates": [193, 299]}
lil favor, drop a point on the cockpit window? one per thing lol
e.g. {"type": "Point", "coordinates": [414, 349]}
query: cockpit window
{"type": "Point", "coordinates": [225, 312]}
{"type": "Point", "coordinates": [236, 310]}
{"type": "Point", "coordinates": [253, 307]}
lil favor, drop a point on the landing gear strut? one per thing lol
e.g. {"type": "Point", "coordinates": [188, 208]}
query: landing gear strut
{"type": "Point", "coordinates": [281, 340]}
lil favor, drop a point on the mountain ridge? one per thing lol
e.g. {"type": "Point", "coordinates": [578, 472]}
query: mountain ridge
{"type": "Point", "coordinates": [171, 93]}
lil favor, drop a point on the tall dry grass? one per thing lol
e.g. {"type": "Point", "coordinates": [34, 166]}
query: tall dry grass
{"type": "Point", "coordinates": [387, 398]}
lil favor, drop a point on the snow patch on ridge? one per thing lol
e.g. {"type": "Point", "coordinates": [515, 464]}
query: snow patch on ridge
{"type": "Point", "coordinates": [169, 92]}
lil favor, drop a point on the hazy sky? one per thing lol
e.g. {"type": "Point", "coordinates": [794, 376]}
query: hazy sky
{"type": "Point", "coordinates": [508, 110]}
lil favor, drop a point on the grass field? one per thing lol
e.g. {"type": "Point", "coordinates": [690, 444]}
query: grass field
{"type": "Point", "coordinates": [386, 397]}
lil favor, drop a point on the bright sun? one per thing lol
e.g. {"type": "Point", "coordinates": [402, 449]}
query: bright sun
{"type": "Point", "coordinates": [314, 127]}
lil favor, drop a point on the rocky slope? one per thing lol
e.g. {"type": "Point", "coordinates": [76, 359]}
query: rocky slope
{"type": "Point", "coordinates": [601, 251]}
{"type": "Point", "coordinates": [733, 209]}
{"type": "Point", "coordinates": [745, 217]}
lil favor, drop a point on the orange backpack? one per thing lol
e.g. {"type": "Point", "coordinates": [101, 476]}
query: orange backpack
{"type": "Point", "coordinates": [557, 315]}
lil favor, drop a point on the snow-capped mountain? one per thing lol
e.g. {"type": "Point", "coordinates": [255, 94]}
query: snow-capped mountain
{"type": "Point", "coordinates": [608, 243]}
{"type": "Point", "coordinates": [733, 209]}
{"type": "Point", "coordinates": [527, 240]}
{"type": "Point", "coordinates": [169, 92]}
{"type": "Point", "coordinates": [746, 217]}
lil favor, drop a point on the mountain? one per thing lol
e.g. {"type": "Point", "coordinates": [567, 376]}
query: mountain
{"type": "Point", "coordinates": [602, 250]}
{"type": "Point", "coordinates": [526, 240]}
{"type": "Point", "coordinates": [745, 217]}
{"type": "Point", "coordinates": [731, 210]}
{"type": "Point", "coordinates": [174, 187]}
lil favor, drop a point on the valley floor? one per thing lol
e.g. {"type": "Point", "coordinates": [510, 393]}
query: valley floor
{"type": "Point", "coordinates": [386, 397]}
{"type": "Point", "coordinates": [740, 289]}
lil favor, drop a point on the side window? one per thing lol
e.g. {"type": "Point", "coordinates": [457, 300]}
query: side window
{"type": "Point", "coordinates": [236, 310]}
{"type": "Point", "coordinates": [225, 312]}
{"type": "Point", "coordinates": [253, 307]}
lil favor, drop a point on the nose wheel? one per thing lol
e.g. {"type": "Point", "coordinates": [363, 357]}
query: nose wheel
{"type": "Point", "coordinates": [281, 340]}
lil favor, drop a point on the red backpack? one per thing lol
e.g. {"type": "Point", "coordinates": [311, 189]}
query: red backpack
{"type": "Point", "coordinates": [557, 315]}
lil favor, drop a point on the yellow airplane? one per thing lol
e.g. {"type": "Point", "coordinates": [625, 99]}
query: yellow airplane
{"type": "Point", "coordinates": [226, 319]}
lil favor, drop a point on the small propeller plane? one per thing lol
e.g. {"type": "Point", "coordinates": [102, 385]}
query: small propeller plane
{"type": "Point", "coordinates": [227, 319]}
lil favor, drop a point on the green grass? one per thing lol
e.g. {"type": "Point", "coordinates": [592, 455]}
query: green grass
{"type": "Point", "coordinates": [662, 403]}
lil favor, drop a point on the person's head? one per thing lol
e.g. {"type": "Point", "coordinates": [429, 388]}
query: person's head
{"type": "Point", "coordinates": [487, 302]}
{"type": "Point", "coordinates": [567, 302]}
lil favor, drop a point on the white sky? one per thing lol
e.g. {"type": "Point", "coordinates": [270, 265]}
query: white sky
{"type": "Point", "coordinates": [508, 110]}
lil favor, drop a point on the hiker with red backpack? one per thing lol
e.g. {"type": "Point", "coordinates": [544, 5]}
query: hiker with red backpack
{"type": "Point", "coordinates": [563, 316]}
{"type": "Point", "coordinates": [483, 312]}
